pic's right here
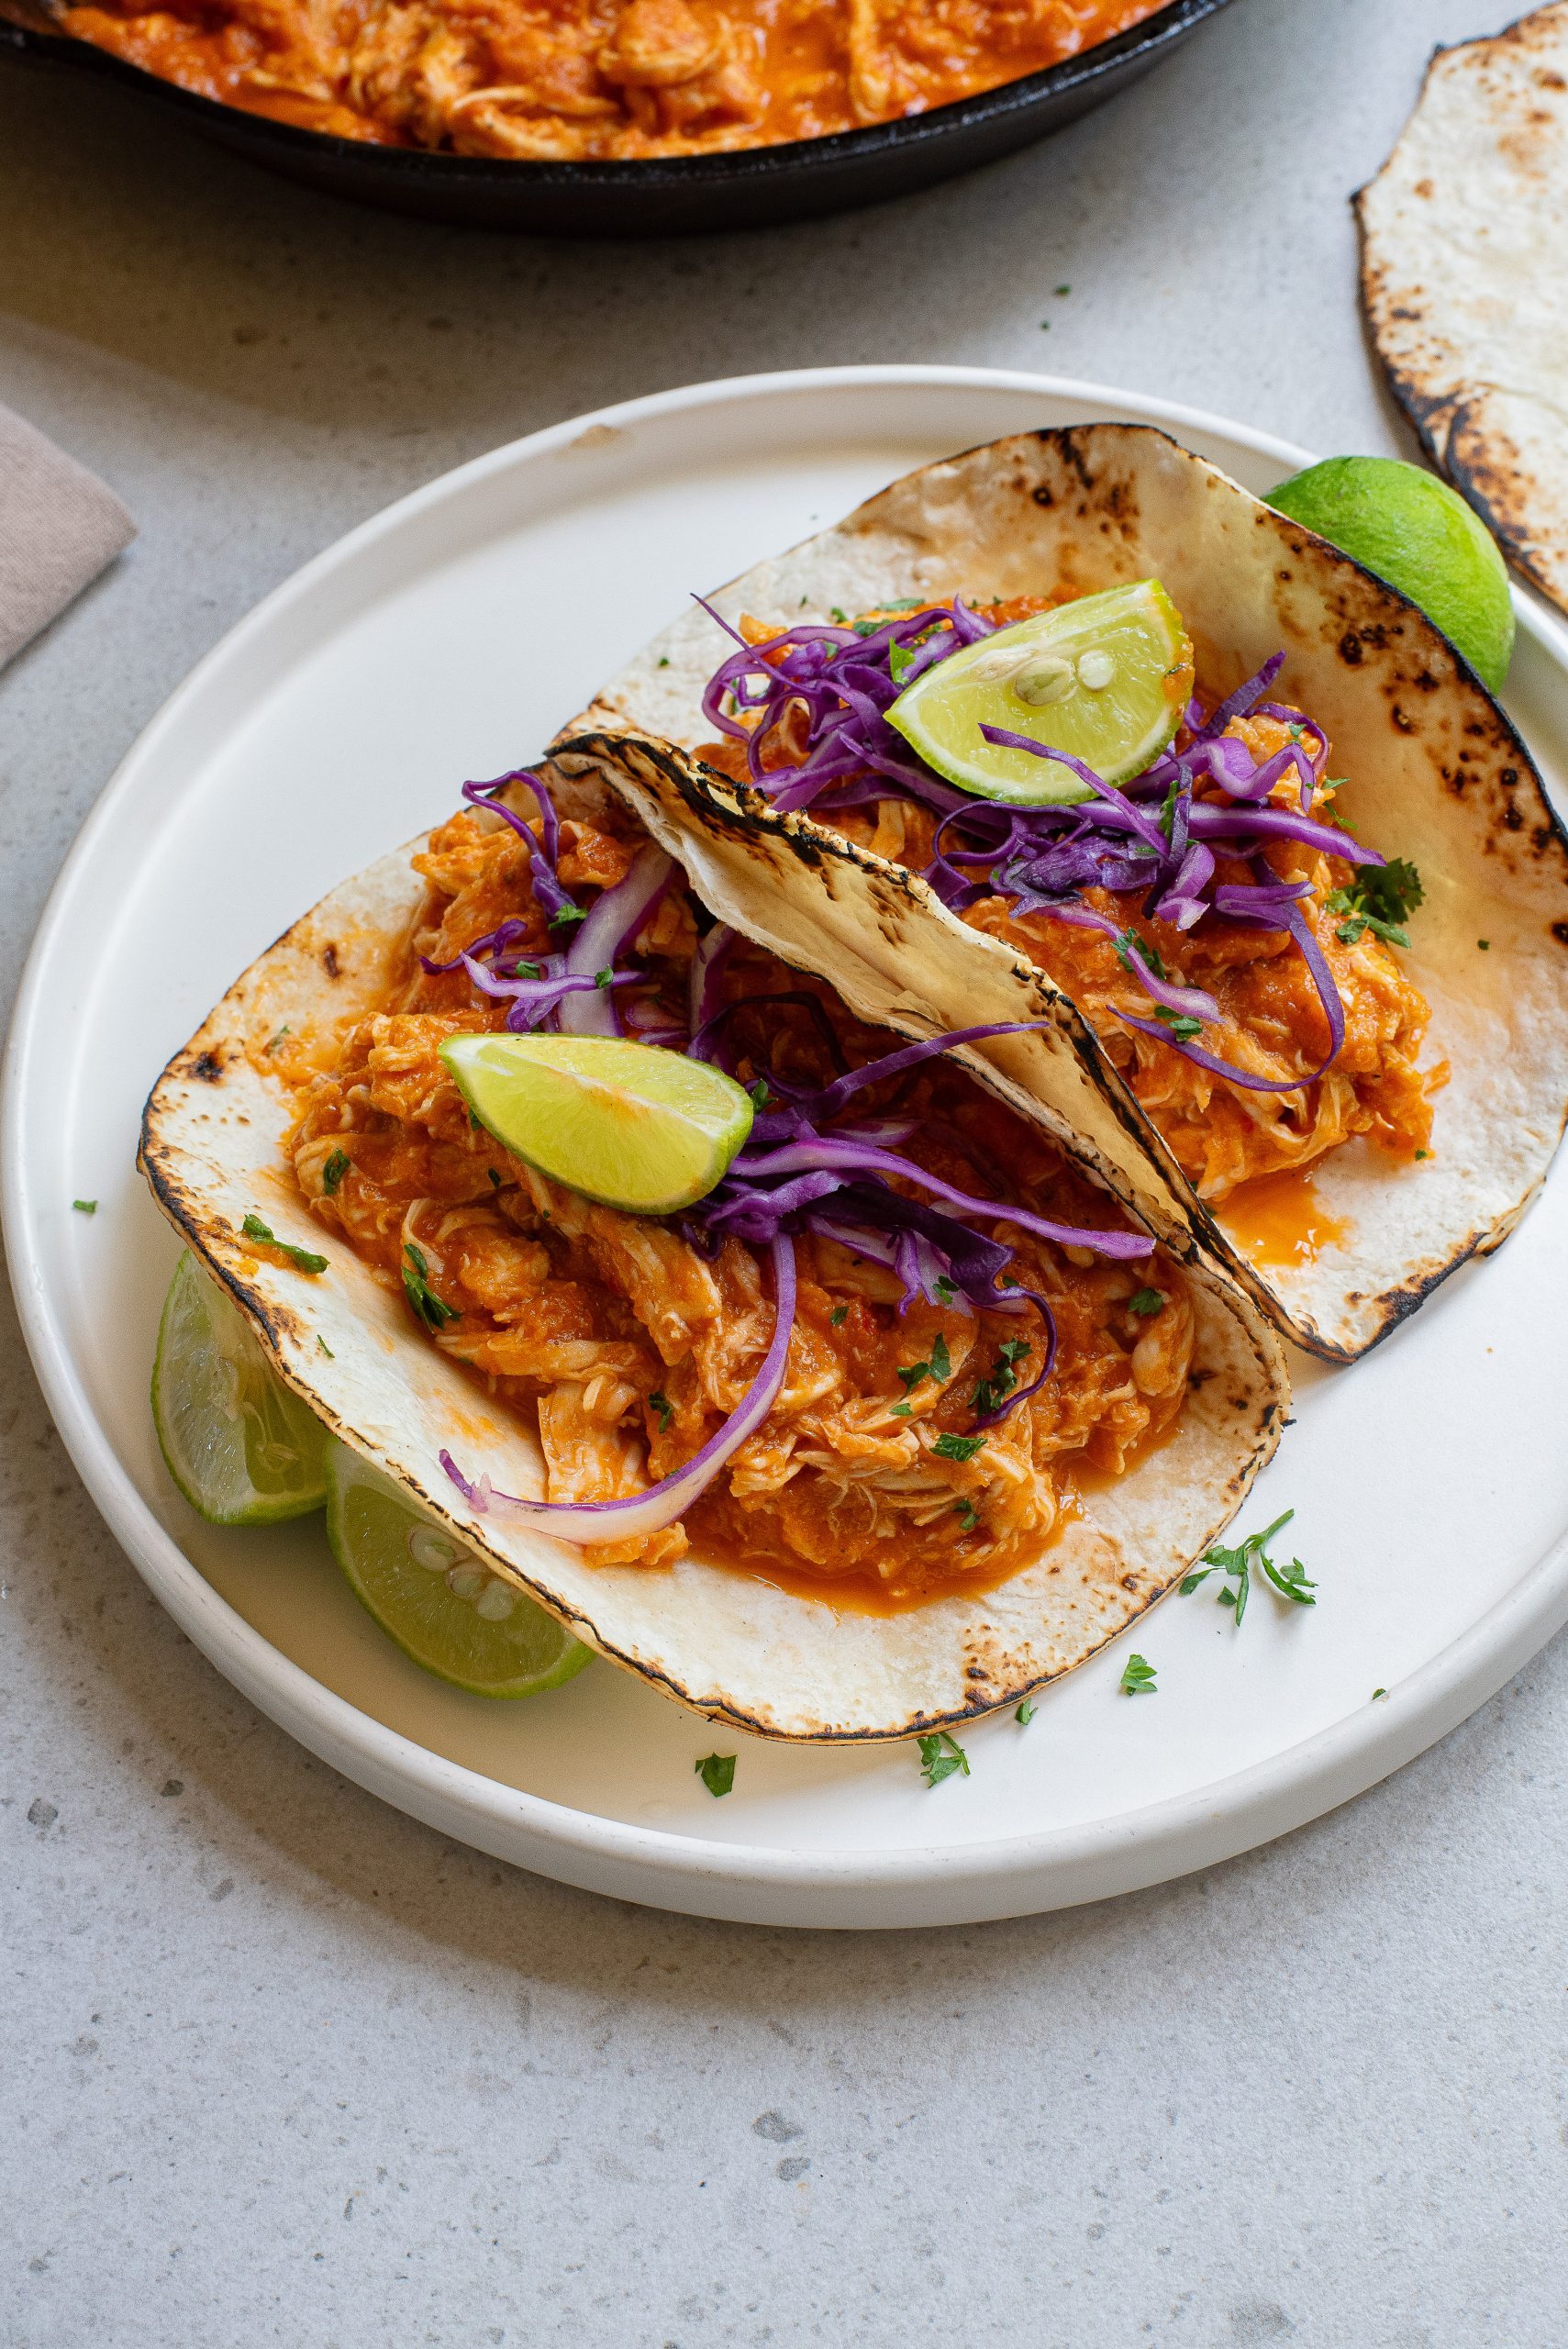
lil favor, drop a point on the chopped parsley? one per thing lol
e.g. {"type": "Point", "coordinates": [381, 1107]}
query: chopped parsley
{"type": "Point", "coordinates": [665, 1409]}
{"type": "Point", "coordinates": [716, 1771]}
{"type": "Point", "coordinates": [305, 1260]}
{"type": "Point", "coordinates": [86, 1206]}
{"type": "Point", "coordinates": [900, 1410]}
{"type": "Point", "coordinates": [416, 1289]}
{"type": "Point", "coordinates": [958, 1447]}
{"type": "Point", "coordinates": [1381, 897]}
{"type": "Point", "coordinates": [1181, 1024]}
{"type": "Point", "coordinates": [563, 915]}
{"type": "Point", "coordinates": [1137, 1677]}
{"type": "Point", "coordinates": [1148, 1301]}
{"type": "Point", "coordinates": [941, 1757]}
{"type": "Point", "coordinates": [839, 1316]}
{"type": "Point", "coordinates": [332, 1174]}
{"type": "Point", "coordinates": [938, 1367]}
{"type": "Point", "coordinates": [324, 1348]}
{"type": "Point", "coordinates": [967, 1515]}
{"type": "Point", "coordinates": [1025, 1713]}
{"type": "Point", "coordinates": [1236, 1566]}
{"type": "Point", "coordinates": [1001, 1379]}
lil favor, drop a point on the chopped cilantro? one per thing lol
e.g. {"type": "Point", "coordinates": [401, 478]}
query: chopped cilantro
{"type": "Point", "coordinates": [1063, 290]}
{"type": "Point", "coordinates": [665, 1409]}
{"type": "Point", "coordinates": [938, 1367]}
{"type": "Point", "coordinates": [716, 1771]}
{"type": "Point", "coordinates": [1236, 1566]}
{"type": "Point", "coordinates": [305, 1260]}
{"type": "Point", "coordinates": [900, 1410]}
{"type": "Point", "coordinates": [760, 1094]}
{"type": "Point", "coordinates": [839, 1316]}
{"type": "Point", "coordinates": [1168, 813]}
{"type": "Point", "coordinates": [1025, 1713]}
{"type": "Point", "coordinates": [417, 1287]}
{"type": "Point", "coordinates": [1380, 897]}
{"type": "Point", "coordinates": [565, 914]}
{"type": "Point", "coordinates": [326, 1349]}
{"type": "Point", "coordinates": [274, 1041]}
{"type": "Point", "coordinates": [1181, 1024]}
{"type": "Point", "coordinates": [86, 1206]}
{"type": "Point", "coordinates": [1378, 1693]}
{"type": "Point", "coordinates": [602, 978]}
{"type": "Point", "coordinates": [912, 1374]}
{"type": "Point", "coordinates": [332, 1174]}
{"type": "Point", "coordinates": [967, 1515]}
{"type": "Point", "coordinates": [1002, 1378]}
{"type": "Point", "coordinates": [900, 661]}
{"type": "Point", "coordinates": [663, 660]}
{"type": "Point", "coordinates": [958, 1447]}
{"type": "Point", "coordinates": [941, 1361]}
{"type": "Point", "coordinates": [941, 1757]}
{"type": "Point", "coordinates": [1148, 1301]}
{"type": "Point", "coordinates": [495, 1177]}
{"type": "Point", "coordinates": [1130, 944]}
{"type": "Point", "coordinates": [1484, 944]}
{"type": "Point", "coordinates": [1137, 1677]}
{"type": "Point", "coordinates": [834, 614]}
{"type": "Point", "coordinates": [946, 1290]}
{"type": "Point", "coordinates": [1423, 1154]}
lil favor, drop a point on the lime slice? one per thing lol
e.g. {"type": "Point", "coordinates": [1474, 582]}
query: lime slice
{"type": "Point", "coordinates": [1419, 535]}
{"type": "Point", "coordinates": [437, 1598]}
{"type": "Point", "coordinates": [1105, 679]}
{"type": "Point", "coordinates": [240, 1445]}
{"type": "Point", "coordinates": [631, 1125]}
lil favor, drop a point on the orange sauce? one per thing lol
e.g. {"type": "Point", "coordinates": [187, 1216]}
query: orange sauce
{"type": "Point", "coordinates": [1279, 1220]}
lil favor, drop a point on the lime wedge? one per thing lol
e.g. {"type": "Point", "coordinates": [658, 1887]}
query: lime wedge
{"type": "Point", "coordinates": [628, 1124]}
{"type": "Point", "coordinates": [1105, 678]}
{"type": "Point", "coordinates": [1419, 535]}
{"type": "Point", "coordinates": [435, 1597]}
{"type": "Point", "coordinates": [240, 1445]}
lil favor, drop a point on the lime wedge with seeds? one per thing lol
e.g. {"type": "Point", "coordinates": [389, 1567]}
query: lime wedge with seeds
{"type": "Point", "coordinates": [631, 1125]}
{"type": "Point", "coordinates": [240, 1445]}
{"type": "Point", "coordinates": [1105, 678]}
{"type": "Point", "coordinates": [1415, 532]}
{"type": "Point", "coordinates": [434, 1596]}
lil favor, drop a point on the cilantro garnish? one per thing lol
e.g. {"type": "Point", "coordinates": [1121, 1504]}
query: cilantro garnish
{"type": "Point", "coordinates": [938, 1367]}
{"type": "Point", "coordinates": [495, 1178]}
{"type": "Point", "coordinates": [665, 1409]}
{"type": "Point", "coordinates": [840, 616]}
{"type": "Point", "coordinates": [305, 1260]}
{"type": "Point", "coordinates": [86, 1206]}
{"type": "Point", "coordinates": [1484, 944]}
{"type": "Point", "coordinates": [1381, 897]}
{"type": "Point", "coordinates": [324, 1347]}
{"type": "Point", "coordinates": [900, 1410]}
{"type": "Point", "coordinates": [272, 1042]}
{"type": "Point", "coordinates": [332, 1174]}
{"type": "Point", "coordinates": [1002, 1378]}
{"type": "Point", "coordinates": [967, 1515]}
{"type": "Point", "coordinates": [1181, 1024]}
{"type": "Point", "coordinates": [716, 1771]}
{"type": "Point", "coordinates": [565, 914]}
{"type": "Point", "coordinates": [1130, 944]}
{"type": "Point", "coordinates": [839, 1316]}
{"type": "Point", "coordinates": [946, 1290]}
{"type": "Point", "coordinates": [1148, 1301]}
{"type": "Point", "coordinates": [957, 1447]}
{"type": "Point", "coordinates": [1025, 1713]}
{"type": "Point", "coordinates": [900, 661]}
{"type": "Point", "coordinates": [941, 1757]}
{"type": "Point", "coordinates": [1168, 813]}
{"type": "Point", "coordinates": [602, 978]}
{"type": "Point", "coordinates": [1378, 1693]}
{"type": "Point", "coordinates": [760, 1094]}
{"type": "Point", "coordinates": [663, 660]}
{"type": "Point", "coordinates": [1236, 1565]}
{"type": "Point", "coordinates": [1137, 1677]}
{"type": "Point", "coordinates": [417, 1287]}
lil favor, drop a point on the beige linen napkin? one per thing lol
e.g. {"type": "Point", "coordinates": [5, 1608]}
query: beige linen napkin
{"type": "Point", "coordinates": [59, 527]}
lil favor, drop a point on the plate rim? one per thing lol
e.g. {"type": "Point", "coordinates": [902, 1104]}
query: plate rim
{"type": "Point", "coordinates": [911, 1886]}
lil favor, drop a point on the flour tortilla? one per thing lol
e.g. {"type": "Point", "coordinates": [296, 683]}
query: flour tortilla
{"type": "Point", "coordinates": [735, 1649]}
{"type": "Point", "coordinates": [1435, 771]}
{"type": "Point", "coordinates": [1464, 281]}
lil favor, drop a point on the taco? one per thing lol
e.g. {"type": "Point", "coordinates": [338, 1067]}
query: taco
{"type": "Point", "coordinates": [1302, 968]}
{"type": "Point", "coordinates": [900, 1418]}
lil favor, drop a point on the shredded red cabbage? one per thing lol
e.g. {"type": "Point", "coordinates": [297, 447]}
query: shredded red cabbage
{"type": "Point", "coordinates": [1149, 840]}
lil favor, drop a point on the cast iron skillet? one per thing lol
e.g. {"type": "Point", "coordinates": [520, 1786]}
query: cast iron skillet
{"type": "Point", "coordinates": [665, 195]}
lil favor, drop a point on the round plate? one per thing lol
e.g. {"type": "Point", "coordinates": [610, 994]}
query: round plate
{"type": "Point", "coordinates": [447, 639]}
{"type": "Point", "coordinates": [745, 187]}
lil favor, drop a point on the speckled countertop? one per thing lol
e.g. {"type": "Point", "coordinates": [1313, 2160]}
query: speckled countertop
{"type": "Point", "coordinates": [280, 2065]}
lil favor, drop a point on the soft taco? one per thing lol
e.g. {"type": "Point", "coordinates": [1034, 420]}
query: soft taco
{"type": "Point", "coordinates": [903, 1417]}
{"type": "Point", "coordinates": [1302, 967]}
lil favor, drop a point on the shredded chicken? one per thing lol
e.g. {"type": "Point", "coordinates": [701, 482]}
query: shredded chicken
{"type": "Point", "coordinates": [627, 1348]}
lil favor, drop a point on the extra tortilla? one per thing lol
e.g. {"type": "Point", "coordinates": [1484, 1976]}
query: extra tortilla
{"type": "Point", "coordinates": [1435, 771]}
{"type": "Point", "coordinates": [1464, 281]}
{"type": "Point", "coordinates": [738, 1649]}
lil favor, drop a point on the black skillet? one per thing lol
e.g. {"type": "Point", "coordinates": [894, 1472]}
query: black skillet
{"type": "Point", "coordinates": [666, 194]}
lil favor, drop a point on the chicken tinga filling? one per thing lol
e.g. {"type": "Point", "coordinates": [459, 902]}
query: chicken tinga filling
{"type": "Point", "coordinates": [1234, 947]}
{"type": "Point", "coordinates": [877, 1351]}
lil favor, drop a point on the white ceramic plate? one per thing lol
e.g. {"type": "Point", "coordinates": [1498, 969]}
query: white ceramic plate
{"type": "Point", "coordinates": [444, 639]}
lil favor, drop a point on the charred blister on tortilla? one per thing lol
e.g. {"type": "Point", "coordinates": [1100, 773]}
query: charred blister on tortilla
{"type": "Point", "coordinates": [874, 1354]}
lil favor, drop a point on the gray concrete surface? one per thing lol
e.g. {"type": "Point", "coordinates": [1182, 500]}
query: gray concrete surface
{"type": "Point", "coordinates": [281, 2066]}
